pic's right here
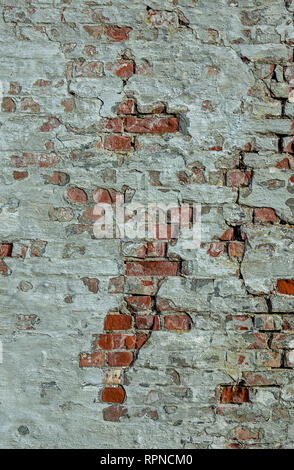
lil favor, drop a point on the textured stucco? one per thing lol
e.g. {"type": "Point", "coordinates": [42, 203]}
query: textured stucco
{"type": "Point", "coordinates": [218, 77]}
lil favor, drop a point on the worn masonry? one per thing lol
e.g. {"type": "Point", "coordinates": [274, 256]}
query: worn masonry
{"type": "Point", "coordinates": [142, 343]}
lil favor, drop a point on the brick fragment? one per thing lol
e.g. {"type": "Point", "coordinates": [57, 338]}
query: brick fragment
{"type": "Point", "coordinates": [153, 268]}
{"type": "Point", "coordinates": [117, 33]}
{"type": "Point", "coordinates": [117, 142]}
{"type": "Point", "coordinates": [285, 286]}
{"type": "Point", "coordinates": [77, 195]}
{"type": "Point", "coordinates": [96, 359]}
{"type": "Point", "coordinates": [177, 322]}
{"type": "Point", "coordinates": [113, 394]}
{"type": "Point", "coordinates": [234, 394]}
{"type": "Point", "coordinates": [152, 125]}
{"type": "Point", "coordinates": [265, 215]}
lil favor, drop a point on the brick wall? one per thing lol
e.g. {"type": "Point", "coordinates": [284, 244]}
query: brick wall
{"type": "Point", "coordinates": [143, 343]}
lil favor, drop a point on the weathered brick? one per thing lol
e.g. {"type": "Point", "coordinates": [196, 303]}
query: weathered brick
{"type": "Point", "coordinates": [154, 125]}
{"type": "Point", "coordinates": [120, 359]}
{"type": "Point", "coordinates": [117, 142]}
{"type": "Point", "coordinates": [153, 268]}
{"type": "Point", "coordinates": [77, 195]}
{"type": "Point", "coordinates": [139, 302]}
{"type": "Point", "coordinates": [117, 322]}
{"type": "Point", "coordinates": [113, 394]}
{"type": "Point", "coordinates": [285, 286]}
{"type": "Point", "coordinates": [234, 394]}
{"type": "Point", "coordinates": [177, 322]}
{"type": "Point", "coordinates": [97, 359]}
{"type": "Point", "coordinates": [117, 33]}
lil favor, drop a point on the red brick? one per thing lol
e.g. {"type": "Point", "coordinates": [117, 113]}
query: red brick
{"type": "Point", "coordinates": [116, 285]}
{"type": "Point", "coordinates": [104, 196]}
{"type": "Point", "coordinates": [283, 164]}
{"type": "Point", "coordinates": [43, 160]}
{"type": "Point", "coordinates": [127, 107]}
{"type": "Point", "coordinates": [76, 195]}
{"type": "Point", "coordinates": [117, 322]}
{"type": "Point", "coordinates": [151, 125]}
{"type": "Point", "coordinates": [97, 359]}
{"type": "Point", "coordinates": [3, 268]}
{"type": "Point", "coordinates": [234, 394]}
{"type": "Point", "coordinates": [238, 178]}
{"type": "Point", "coordinates": [216, 249]}
{"type": "Point", "coordinates": [265, 214]}
{"type": "Point", "coordinates": [8, 105]}
{"type": "Point", "coordinates": [94, 31]}
{"type": "Point", "coordinates": [117, 142]}
{"type": "Point", "coordinates": [153, 268]}
{"type": "Point", "coordinates": [120, 359]}
{"type": "Point", "coordinates": [177, 322]}
{"type": "Point", "coordinates": [20, 175]}
{"type": "Point", "coordinates": [58, 177]}
{"type": "Point", "coordinates": [113, 413]}
{"type": "Point", "coordinates": [139, 302]}
{"type": "Point", "coordinates": [6, 250]}
{"type": "Point", "coordinates": [52, 123]}
{"type": "Point", "coordinates": [228, 234]}
{"type": "Point", "coordinates": [244, 434]}
{"type": "Point", "coordinates": [147, 322]}
{"type": "Point", "coordinates": [116, 33]}
{"type": "Point", "coordinates": [125, 70]}
{"type": "Point", "coordinates": [236, 249]}
{"type": "Point", "coordinates": [116, 341]}
{"type": "Point", "coordinates": [91, 283]}
{"type": "Point", "coordinates": [285, 286]}
{"type": "Point", "coordinates": [141, 339]}
{"type": "Point", "coordinates": [113, 394]}
{"type": "Point", "coordinates": [113, 125]}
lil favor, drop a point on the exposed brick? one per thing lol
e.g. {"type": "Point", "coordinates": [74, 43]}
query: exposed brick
{"type": "Point", "coordinates": [8, 105]}
{"type": "Point", "coordinates": [177, 322]}
{"type": "Point", "coordinates": [236, 249]}
{"type": "Point", "coordinates": [77, 195]}
{"type": "Point", "coordinates": [139, 302]}
{"type": "Point", "coordinates": [91, 283]}
{"type": "Point", "coordinates": [125, 70]}
{"type": "Point", "coordinates": [113, 413]}
{"type": "Point", "coordinates": [127, 107]}
{"type": "Point", "coordinates": [238, 178]}
{"type": "Point", "coordinates": [152, 125]}
{"type": "Point", "coordinates": [113, 394]}
{"type": "Point", "coordinates": [96, 359]}
{"type": "Point", "coordinates": [116, 341]}
{"type": "Point", "coordinates": [6, 250]}
{"type": "Point", "coordinates": [117, 33]}
{"type": "Point", "coordinates": [118, 322]}
{"type": "Point", "coordinates": [20, 175]}
{"type": "Point", "coordinates": [285, 286]}
{"type": "Point", "coordinates": [116, 285]}
{"type": "Point", "coordinates": [58, 177]}
{"type": "Point", "coordinates": [264, 215]}
{"type": "Point", "coordinates": [147, 322]}
{"type": "Point", "coordinates": [120, 359]}
{"type": "Point", "coordinates": [117, 142]}
{"type": "Point", "coordinates": [153, 268]}
{"type": "Point", "coordinates": [234, 394]}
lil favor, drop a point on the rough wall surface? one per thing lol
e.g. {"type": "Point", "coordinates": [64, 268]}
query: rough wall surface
{"type": "Point", "coordinates": [144, 344]}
